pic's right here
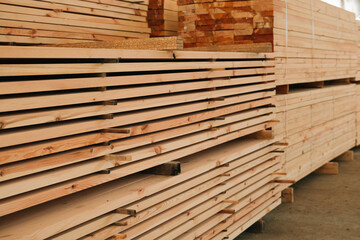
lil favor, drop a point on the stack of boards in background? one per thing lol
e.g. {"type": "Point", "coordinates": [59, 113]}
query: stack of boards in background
{"type": "Point", "coordinates": [80, 126]}
{"type": "Point", "coordinates": [72, 21]}
{"type": "Point", "coordinates": [317, 124]}
{"type": "Point", "coordinates": [357, 81]}
{"type": "Point", "coordinates": [313, 41]}
{"type": "Point", "coordinates": [163, 18]}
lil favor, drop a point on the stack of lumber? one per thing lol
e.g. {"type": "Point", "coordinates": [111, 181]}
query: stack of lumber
{"type": "Point", "coordinates": [208, 23]}
{"type": "Point", "coordinates": [317, 124]}
{"type": "Point", "coordinates": [78, 126]}
{"type": "Point", "coordinates": [357, 81]}
{"type": "Point", "coordinates": [71, 21]}
{"type": "Point", "coordinates": [220, 193]}
{"type": "Point", "coordinates": [357, 78]}
{"type": "Point", "coordinates": [163, 18]}
{"type": "Point", "coordinates": [313, 41]}
{"type": "Point", "coordinates": [357, 111]}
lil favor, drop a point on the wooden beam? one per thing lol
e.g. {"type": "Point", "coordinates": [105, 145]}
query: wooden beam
{"type": "Point", "coordinates": [346, 156]}
{"type": "Point", "coordinates": [330, 168]}
{"type": "Point", "coordinates": [287, 195]}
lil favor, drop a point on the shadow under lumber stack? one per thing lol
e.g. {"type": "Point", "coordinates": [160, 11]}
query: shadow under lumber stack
{"type": "Point", "coordinates": [79, 127]}
{"type": "Point", "coordinates": [71, 21]}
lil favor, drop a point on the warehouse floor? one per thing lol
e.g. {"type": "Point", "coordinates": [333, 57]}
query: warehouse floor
{"type": "Point", "coordinates": [326, 207]}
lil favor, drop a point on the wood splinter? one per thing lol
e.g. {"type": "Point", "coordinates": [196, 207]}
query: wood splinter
{"type": "Point", "coordinates": [116, 130]}
{"type": "Point", "coordinates": [172, 168]}
{"type": "Point", "coordinates": [131, 212]}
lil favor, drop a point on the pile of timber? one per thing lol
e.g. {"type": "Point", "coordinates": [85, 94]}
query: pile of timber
{"type": "Point", "coordinates": [357, 111]}
{"type": "Point", "coordinates": [317, 124]}
{"type": "Point", "coordinates": [357, 81]}
{"type": "Point", "coordinates": [220, 193]}
{"type": "Point", "coordinates": [312, 40]}
{"type": "Point", "coordinates": [163, 18]}
{"type": "Point", "coordinates": [72, 21]}
{"type": "Point", "coordinates": [357, 78]}
{"type": "Point", "coordinates": [84, 130]}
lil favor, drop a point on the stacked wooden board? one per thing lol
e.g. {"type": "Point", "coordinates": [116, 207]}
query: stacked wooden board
{"type": "Point", "coordinates": [224, 188]}
{"type": "Point", "coordinates": [357, 78]}
{"type": "Point", "coordinates": [79, 125]}
{"type": "Point", "coordinates": [163, 18]}
{"type": "Point", "coordinates": [317, 124]}
{"type": "Point", "coordinates": [357, 112]}
{"type": "Point", "coordinates": [71, 21]}
{"type": "Point", "coordinates": [357, 81]}
{"type": "Point", "coordinates": [313, 41]}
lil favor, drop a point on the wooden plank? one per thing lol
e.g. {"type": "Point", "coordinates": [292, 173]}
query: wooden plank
{"type": "Point", "coordinates": [156, 43]}
{"type": "Point", "coordinates": [37, 69]}
{"type": "Point", "coordinates": [107, 81]}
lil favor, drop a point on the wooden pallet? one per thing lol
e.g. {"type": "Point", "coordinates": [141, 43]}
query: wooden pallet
{"type": "Point", "coordinates": [317, 125]}
{"type": "Point", "coordinates": [313, 41]}
{"type": "Point", "coordinates": [72, 21]}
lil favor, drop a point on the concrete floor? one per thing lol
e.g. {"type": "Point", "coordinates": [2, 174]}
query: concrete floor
{"type": "Point", "coordinates": [326, 207]}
